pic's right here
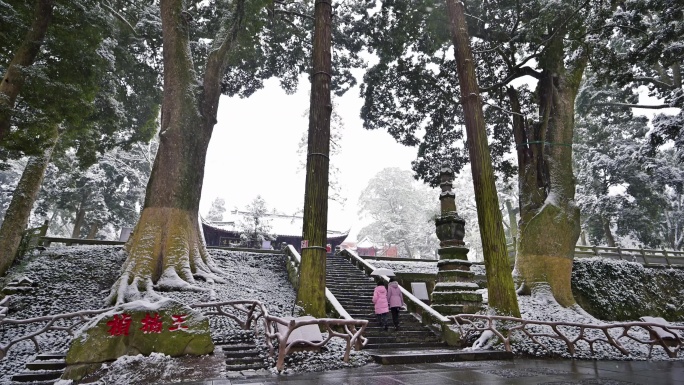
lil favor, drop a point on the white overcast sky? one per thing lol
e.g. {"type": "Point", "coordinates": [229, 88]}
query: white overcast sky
{"type": "Point", "coordinates": [253, 151]}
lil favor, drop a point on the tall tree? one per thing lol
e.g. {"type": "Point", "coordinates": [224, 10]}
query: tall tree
{"type": "Point", "coordinates": [643, 47]}
{"type": "Point", "coordinates": [233, 46]}
{"type": "Point", "coordinates": [17, 214]}
{"type": "Point", "coordinates": [411, 94]}
{"type": "Point", "coordinates": [627, 191]}
{"type": "Point", "coordinates": [501, 291]}
{"type": "Point", "coordinates": [23, 57]}
{"type": "Point", "coordinates": [82, 96]}
{"type": "Point", "coordinates": [311, 291]}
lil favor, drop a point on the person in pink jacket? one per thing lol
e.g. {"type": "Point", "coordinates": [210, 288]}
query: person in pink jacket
{"type": "Point", "coordinates": [395, 300]}
{"type": "Point", "coordinates": [381, 305]}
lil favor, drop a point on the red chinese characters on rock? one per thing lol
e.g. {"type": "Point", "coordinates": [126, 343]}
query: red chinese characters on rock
{"type": "Point", "coordinates": [119, 325]}
{"type": "Point", "coordinates": [178, 321]}
{"type": "Point", "coordinates": [151, 324]}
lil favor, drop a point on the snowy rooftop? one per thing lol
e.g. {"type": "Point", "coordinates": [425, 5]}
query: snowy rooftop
{"type": "Point", "coordinates": [281, 224]}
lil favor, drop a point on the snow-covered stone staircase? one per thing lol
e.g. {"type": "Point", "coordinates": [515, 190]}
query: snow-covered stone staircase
{"type": "Point", "coordinates": [46, 368]}
{"type": "Point", "coordinates": [242, 353]}
{"type": "Point", "coordinates": [354, 290]}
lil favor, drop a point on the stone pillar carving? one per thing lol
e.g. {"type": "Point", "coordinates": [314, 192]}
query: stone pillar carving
{"type": "Point", "coordinates": [454, 291]}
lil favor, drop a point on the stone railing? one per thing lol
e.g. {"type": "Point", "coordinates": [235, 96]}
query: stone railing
{"type": "Point", "coordinates": [647, 257]}
{"type": "Point", "coordinates": [352, 334]}
{"type": "Point", "coordinates": [245, 313]}
{"type": "Point", "coordinates": [571, 334]}
{"type": "Point", "coordinates": [67, 322]}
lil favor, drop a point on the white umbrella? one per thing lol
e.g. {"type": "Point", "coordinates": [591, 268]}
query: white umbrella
{"type": "Point", "coordinates": [383, 271]}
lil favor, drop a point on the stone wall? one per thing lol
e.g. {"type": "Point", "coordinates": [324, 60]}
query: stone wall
{"type": "Point", "coordinates": [624, 291]}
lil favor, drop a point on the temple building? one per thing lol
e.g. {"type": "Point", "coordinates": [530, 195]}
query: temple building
{"type": "Point", "coordinates": [287, 229]}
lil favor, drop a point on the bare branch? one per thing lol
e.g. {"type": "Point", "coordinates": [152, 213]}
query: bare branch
{"type": "Point", "coordinates": [517, 73]}
{"type": "Point", "coordinates": [120, 17]}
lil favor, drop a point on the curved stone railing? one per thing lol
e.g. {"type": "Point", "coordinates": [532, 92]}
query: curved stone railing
{"type": "Point", "coordinates": [353, 335]}
{"type": "Point", "coordinates": [570, 333]}
{"type": "Point", "coordinates": [246, 313]}
{"type": "Point", "coordinates": [67, 322]}
{"type": "Point", "coordinates": [252, 311]}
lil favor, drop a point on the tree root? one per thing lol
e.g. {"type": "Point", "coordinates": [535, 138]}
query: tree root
{"type": "Point", "coordinates": [166, 252]}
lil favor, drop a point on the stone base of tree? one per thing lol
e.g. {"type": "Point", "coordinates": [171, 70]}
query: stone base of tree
{"type": "Point", "coordinates": [139, 327]}
{"type": "Point", "coordinates": [552, 270]}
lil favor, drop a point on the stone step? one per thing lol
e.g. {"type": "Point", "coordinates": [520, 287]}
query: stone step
{"type": "Point", "coordinates": [50, 355]}
{"type": "Point", "coordinates": [238, 347]}
{"type": "Point", "coordinates": [399, 336]}
{"type": "Point", "coordinates": [404, 345]}
{"type": "Point", "coordinates": [44, 375]}
{"type": "Point", "coordinates": [241, 353]}
{"type": "Point", "coordinates": [422, 337]}
{"type": "Point", "coordinates": [241, 367]}
{"type": "Point", "coordinates": [244, 361]}
{"type": "Point", "coordinates": [396, 356]}
{"type": "Point", "coordinates": [56, 364]}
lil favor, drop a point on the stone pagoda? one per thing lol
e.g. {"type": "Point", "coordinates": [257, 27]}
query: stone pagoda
{"type": "Point", "coordinates": [454, 291]}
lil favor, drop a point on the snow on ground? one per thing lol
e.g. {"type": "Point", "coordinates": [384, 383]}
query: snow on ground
{"type": "Point", "coordinates": [69, 279]}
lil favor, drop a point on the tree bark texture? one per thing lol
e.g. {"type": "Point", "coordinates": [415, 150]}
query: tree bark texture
{"type": "Point", "coordinates": [14, 77]}
{"type": "Point", "coordinates": [79, 219]}
{"type": "Point", "coordinates": [610, 240]}
{"type": "Point", "coordinates": [502, 296]}
{"type": "Point", "coordinates": [311, 290]}
{"type": "Point", "coordinates": [549, 218]}
{"type": "Point", "coordinates": [19, 210]}
{"type": "Point", "coordinates": [167, 249]}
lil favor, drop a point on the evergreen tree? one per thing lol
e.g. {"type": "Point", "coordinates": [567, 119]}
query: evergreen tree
{"type": "Point", "coordinates": [627, 191]}
{"type": "Point", "coordinates": [84, 89]}
{"type": "Point", "coordinates": [218, 207]}
{"type": "Point", "coordinates": [210, 48]}
{"type": "Point", "coordinates": [402, 211]}
{"type": "Point", "coordinates": [411, 94]}
{"type": "Point", "coordinates": [254, 227]}
{"type": "Point", "coordinates": [644, 48]}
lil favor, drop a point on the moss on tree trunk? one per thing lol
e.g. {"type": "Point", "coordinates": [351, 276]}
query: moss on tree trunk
{"type": "Point", "coordinates": [15, 75]}
{"type": "Point", "coordinates": [502, 295]}
{"type": "Point", "coordinates": [311, 290]}
{"type": "Point", "coordinates": [166, 250]}
{"type": "Point", "coordinates": [19, 210]}
{"type": "Point", "coordinates": [549, 218]}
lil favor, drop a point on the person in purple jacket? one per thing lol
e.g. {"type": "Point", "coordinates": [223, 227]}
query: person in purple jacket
{"type": "Point", "coordinates": [395, 300]}
{"type": "Point", "coordinates": [380, 301]}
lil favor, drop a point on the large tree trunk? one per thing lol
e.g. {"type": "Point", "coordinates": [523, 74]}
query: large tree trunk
{"type": "Point", "coordinates": [311, 290]}
{"type": "Point", "coordinates": [502, 297]}
{"type": "Point", "coordinates": [19, 210]}
{"type": "Point", "coordinates": [610, 240]}
{"type": "Point", "coordinates": [79, 220]}
{"type": "Point", "coordinates": [167, 249]}
{"type": "Point", "coordinates": [549, 218]}
{"type": "Point", "coordinates": [24, 56]}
